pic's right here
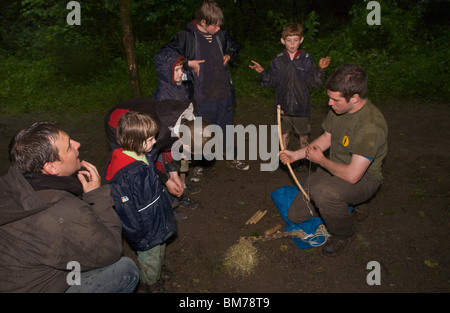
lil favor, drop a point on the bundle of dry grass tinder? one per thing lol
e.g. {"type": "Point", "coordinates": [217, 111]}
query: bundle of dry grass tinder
{"type": "Point", "coordinates": [241, 258]}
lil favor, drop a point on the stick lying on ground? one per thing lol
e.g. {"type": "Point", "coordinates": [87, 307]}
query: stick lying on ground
{"type": "Point", "coordinates": [278, 235]}
{"type": "Point", "coordinates": [256, 217]}
{"type": "Point", "coordinates": [273, 230]}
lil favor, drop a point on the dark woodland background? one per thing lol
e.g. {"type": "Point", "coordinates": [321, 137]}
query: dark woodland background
{"type": "Point", "coordinates": [46, 64]}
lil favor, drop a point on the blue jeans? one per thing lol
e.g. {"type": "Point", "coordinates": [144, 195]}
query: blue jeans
{"type": "Point", "coordinates": [119, 277]}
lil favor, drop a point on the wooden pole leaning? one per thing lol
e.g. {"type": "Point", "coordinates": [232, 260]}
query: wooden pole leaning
{"type": "Point", "coordinates": [282, 148]}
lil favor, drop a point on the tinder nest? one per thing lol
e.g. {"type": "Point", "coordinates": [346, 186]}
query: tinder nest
{"type": "Point", "coordinates": [241, 258]}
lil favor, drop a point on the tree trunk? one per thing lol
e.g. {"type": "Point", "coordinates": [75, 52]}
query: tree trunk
{"type": "Point", "coordinates": [130, 48]}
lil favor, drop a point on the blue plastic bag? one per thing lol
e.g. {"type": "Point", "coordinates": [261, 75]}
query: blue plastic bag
{"type": "Point", "coordinates": [315, 236]}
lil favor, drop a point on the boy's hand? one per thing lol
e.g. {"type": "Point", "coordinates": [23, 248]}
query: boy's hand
{"type": "Point", "coordinates": [195, 65]}
{"type": "Point", "coordinates": [324, 62]}
{"type": "Point", "coordinates": [256, 67]}
{"type": "Point", "coordinates": [90, 179]}
{"type": "Point", "coordinates": [173, 188]}
{"type": "Point", "coordinates": [174, 184]}
{"type": "Point", "coordinates": [226, 58]}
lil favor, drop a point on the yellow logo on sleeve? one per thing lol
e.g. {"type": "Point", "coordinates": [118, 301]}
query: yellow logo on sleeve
{"type": "Point", "coordinates": [345, 141]}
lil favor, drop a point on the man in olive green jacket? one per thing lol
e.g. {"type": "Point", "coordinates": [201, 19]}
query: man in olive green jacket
{"type": "Point", "coordinates": [58, 232]}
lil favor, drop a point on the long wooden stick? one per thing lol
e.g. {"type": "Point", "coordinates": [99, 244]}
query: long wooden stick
{"type": "Point", "coordinates": [288, 164]}
{"type": "Point", "coordinates": [278, 235]}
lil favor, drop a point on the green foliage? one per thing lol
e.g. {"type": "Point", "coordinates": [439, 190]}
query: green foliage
{"type": "Point", "coordinates": [311, 26]}
{"type": "Point", "coordinates": [277, 21]}
{"type": "Point", "coordinates": [46, 64]}
{"type": "Point", "coordinates": [27, 87]}
{"type": "Point", "coordinates": [401, 62]}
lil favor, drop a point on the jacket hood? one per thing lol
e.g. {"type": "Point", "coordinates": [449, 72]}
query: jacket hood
{"type": "Point", "coordinates": [192, 25]}
{"type": "Point", "coordinates": [117, 161]}
{"type": "Point", "coordinates": [165, 112]}
{"type": "Point", "coordinates": [19, 200]}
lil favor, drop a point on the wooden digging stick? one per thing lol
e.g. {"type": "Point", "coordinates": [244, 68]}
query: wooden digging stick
{"type": "Point", "coordinates": [288, 164]}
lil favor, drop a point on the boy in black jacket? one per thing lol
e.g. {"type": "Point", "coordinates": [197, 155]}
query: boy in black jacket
{"type": "Point", "coordinates": [293, 73]}
{"type": "Point", "coordinates": [208, 50]}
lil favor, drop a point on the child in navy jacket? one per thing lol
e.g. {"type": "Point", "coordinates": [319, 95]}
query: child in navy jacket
{"type": "Point", "coordinates": [140, 199]}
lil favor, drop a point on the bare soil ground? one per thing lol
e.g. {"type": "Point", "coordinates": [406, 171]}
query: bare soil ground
{"type": "Point", "coordinates": [406, 231]}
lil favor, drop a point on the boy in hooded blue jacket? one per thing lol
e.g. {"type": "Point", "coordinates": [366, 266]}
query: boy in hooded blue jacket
{"type": "Point", "coordinates": [140, 199]}
{"type": "Point", "coordinates": [173, 81]}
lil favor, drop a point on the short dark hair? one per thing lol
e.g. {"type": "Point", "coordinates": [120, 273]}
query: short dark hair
{"type": "Point", "coordinates": [33, 146]}
{"type": "Point", "coordinates": [349, 79]}
{"type": "Point", "coordinates": [211, 12]}
{"type": "Point", "coordinates": [133, 129]}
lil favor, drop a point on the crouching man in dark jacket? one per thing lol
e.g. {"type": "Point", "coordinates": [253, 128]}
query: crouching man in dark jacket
{"type": "Point", "coordinates": [59, 233]}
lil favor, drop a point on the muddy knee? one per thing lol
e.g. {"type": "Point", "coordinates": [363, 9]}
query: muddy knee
{"type": "Point", "coordinates": [300, 210]}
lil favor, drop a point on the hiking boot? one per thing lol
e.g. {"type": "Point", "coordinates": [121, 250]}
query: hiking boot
{"type": "Point", "coordinates": [335, 245]}
{"type": "Point", "coordinates": [186, 202]}
{"type": "Point", "coordinates": [239, 165]}
{"type": "Point", "coordinates": [360, 213]}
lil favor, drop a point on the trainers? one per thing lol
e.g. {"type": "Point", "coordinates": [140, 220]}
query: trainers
{"type": "Point", "coordinates": [186, 202]}
{"type": "Point", "coordinates": [198, 171]}
{"type": "Point", "coordinates": [192, 189]}
{"type": "Point", "coordinates": [335, 245]}
{"type": "Point", "coordinates": [166, 275]}
{"type": "Point", "coordinates": [180, 216]}
{"type": "Point", "coordinates": [197, 174]}
{"type": "Point", "coordinates": [239, 165]}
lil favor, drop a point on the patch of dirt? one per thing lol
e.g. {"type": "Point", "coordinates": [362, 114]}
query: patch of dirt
{"type": "Point", "coordinates": [406, 231]}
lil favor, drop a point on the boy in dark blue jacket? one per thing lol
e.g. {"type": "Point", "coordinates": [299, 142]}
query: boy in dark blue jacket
{"type": "Point", "coordinates": [174, 84]}
{"type": "Point", "coordinates": [293, 73]}
{"type": "Point", "coordinates": [140, 199]}
{"type": "Point", "coordinates": [208, 49]}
